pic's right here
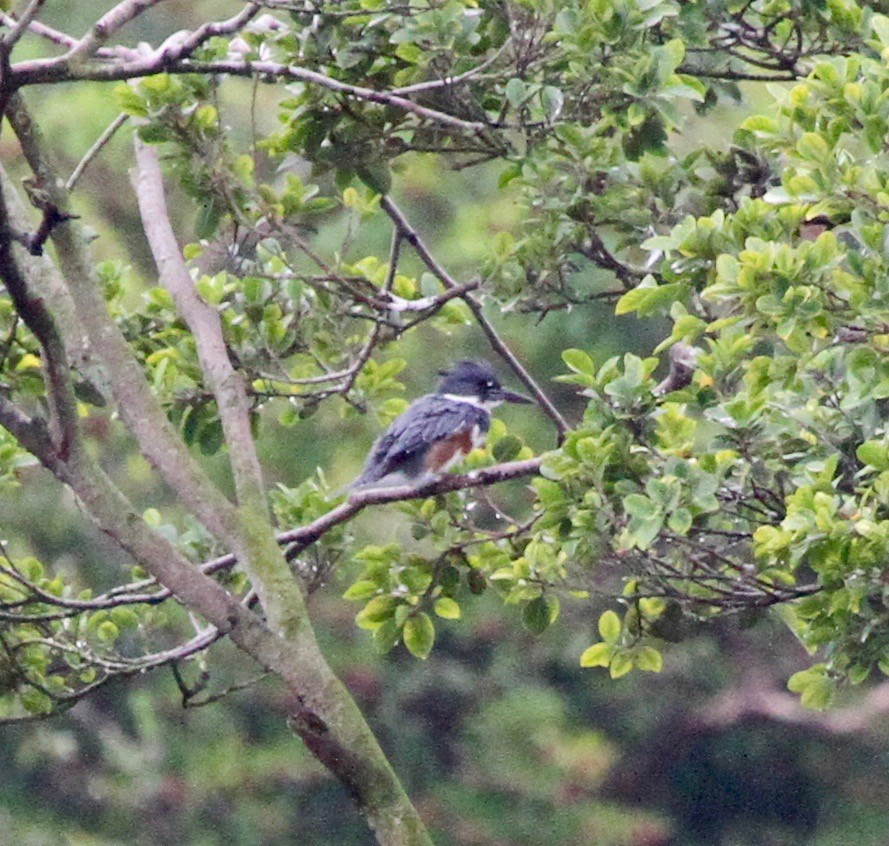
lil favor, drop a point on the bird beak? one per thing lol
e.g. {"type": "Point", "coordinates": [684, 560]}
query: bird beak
{"type": "Point", "coordinates": [510, 396]}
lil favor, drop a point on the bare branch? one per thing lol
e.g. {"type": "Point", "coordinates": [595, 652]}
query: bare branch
{"type": "Point", "coordinates": [43, 71]}
{"type": "Point", "coordinates": [203, 320]}
{"type": "Point", "coordinates": [765, 701]}
{"type": "Point", "coordinates": [148, 592]}
{"type": "Point", "coordinates": [43, 276]}
{"type": "Point", "coordinates": [105, 27]}
{"type": "Point", "coordinates": [180, 46]}
{"type": "Point", "coordinates": [359, 500]}
{"type": "Point", "coordinates": [601, 256]}
{"type": "Point", "coordinates": [39, 320]}
{"type": "Point", "coordinates": [739, 76]}
{"type": "Point", "coordinates": [412, 237]}
{"type": "Point", "coordinates": [35, 241]}
{"type": "Point", "coordinates": [31, 433]}
{"type": "Point", "coordinates": [47, 32]}
{"type": "Point", "coordinates": [374, 334]}
{"type": "Point", "coordinates": [431, 304]}
{"type": "Point", "coordinates": [18, 29]}
{"type": "Point", "coordinates": [95, 149]}
{"type": "Point", "coordinates": [451, 81]}
{"type": "Point", "coordinates": [189, 693]}
{"type": "Point", "coordinates": [139, 408]}
{"type": "Point", "coordinates": [254, 542]}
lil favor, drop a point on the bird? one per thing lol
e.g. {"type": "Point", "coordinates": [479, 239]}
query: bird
{"type": "Point", "coordinates": [438, 429]}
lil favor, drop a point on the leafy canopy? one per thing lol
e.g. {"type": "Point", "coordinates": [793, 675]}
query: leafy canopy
{"type": "Point", "coordinates": [758, 479]}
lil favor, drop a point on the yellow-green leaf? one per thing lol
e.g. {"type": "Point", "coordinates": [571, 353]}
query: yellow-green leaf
{"type": "Point", "coordinates": [419, 634]}
{"type": "Point", "coordinates": [447, 608]}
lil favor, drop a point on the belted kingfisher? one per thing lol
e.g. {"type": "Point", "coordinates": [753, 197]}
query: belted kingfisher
{"type": "Point", "coordinates": [437, 430]}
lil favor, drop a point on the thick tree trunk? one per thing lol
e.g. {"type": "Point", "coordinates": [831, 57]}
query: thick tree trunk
{"type": "Point", "coordinates": [324, 714]}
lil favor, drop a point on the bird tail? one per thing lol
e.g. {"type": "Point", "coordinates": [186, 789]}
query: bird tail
{"type": "Point", "coordinates": [364, 480]}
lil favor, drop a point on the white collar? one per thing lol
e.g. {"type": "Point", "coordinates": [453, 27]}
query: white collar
{"type": "Point", "coordinates": [484, 406]}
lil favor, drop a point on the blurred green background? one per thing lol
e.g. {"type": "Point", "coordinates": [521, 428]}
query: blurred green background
{"type": "Point", "coordinates": [500, 737]}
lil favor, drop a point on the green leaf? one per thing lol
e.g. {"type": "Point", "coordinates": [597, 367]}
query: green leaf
{"type": "Point", "coordinates": [680, 521]}
{"type": "Point", "coordinates": [579, 362]}
{"type": "Point", "coordinates": [419, 634]}
{"type": "Point", "coordinates": [208, 220]}
{"type": "Point", "coordinates": [621, 664]}
{"type": "Point", "coordinates": [125, 618]}
{"type": "Point", "coordinates": [540, 613]}
{"type": "Point", "coordinates": [818, 695]}
{"type": "Point", "coordinates": [130, 101]}
{"type": "Point", "coordinates": [376, 612]}
{"type": "Point", "coordinates": [675, 49]}
{"type": "Point", "coordinates": [512, 171]}
{"type": "Point", "coordinates": [874, 453]}
{"type": "Point", "coordinates": [553, 101]}
{"type": "Point", "coordinates": [760, 123]}
{"type": "Point", "coordinates": [648, 298]}
{"type": "Point", "coordinates": [35, 701]}
{"type": "Point", "coordinates": [362, 589]}
{"type": "Point", "coordinates": [447, 609]}
{"type": "Point", "coordinates": [815, 686]}
{"type": "Point", "coordinates": [107, 631]}
{"type": "Point", "coordinates": [507, 448]}
{"type": "Point", "coordinates": [515, 92]}
{"type": "Point", "coordinates": [386, 636]}
{"type": "Point", "coordinates": [812, 146]}
{"type": "Point", "coordinates": [610, 627]}
{"type": "Point", "coordinates": [211, 437]}
{"type": "Point", "coordinates": [639, 505]}
{"type": "Point", "coordinates": [597, 655]}
{"type": "Point", "coordinates": [880, 25]}
{"type": "Point", "coordinates": [649, 659]}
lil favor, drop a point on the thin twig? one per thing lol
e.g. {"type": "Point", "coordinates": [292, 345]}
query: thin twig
{"type": "Point", "coordinates": [177, 48]}
{"type": "Point", "coordinates": [54, 35]}
{"type": "Point", "coordinates": [18, 29]}
{"type": "Point", "coordinates": [34, 242]}
{"type": "Point", "coordinates": [450, 81]}
{"type": "Point", "coordinates": [96, 148]}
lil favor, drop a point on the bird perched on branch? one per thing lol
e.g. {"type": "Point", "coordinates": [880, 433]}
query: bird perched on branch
{"type": "Point", "coordinates": [439, 429]}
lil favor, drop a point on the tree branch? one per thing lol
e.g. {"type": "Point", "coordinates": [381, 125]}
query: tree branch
{"type": "Point", "coordinates": [203, 321]}
{"type": "Point", "coordinates": [764, 701]}
{"type": "Point", "coordinates": [44, 71]}
{"type": "Point", "coordinates": [20, 26]}
{"type": "Point", "coordinates": [139, 408]}
{"type": "Point", "coordinates": [601, 256]}
{"type": "Point", "coordinates": [256, 547]}
{"type": "Point", "coordinates": [33, 311]}
{"type": "Point", "coordinates": [299, 538]}
{"type": "Point", "coordinates": [182, 45]}
{"type": "Point", "coordinates": [31, 433]}
{"type": "Point", "coordinates": [95, 149]}
{"type": "Point", "coordinates": [99, 33]}
{"type": "Point", "coordinates": [304, 536]}
{"type": "Point", "coordinates": [451, 81]}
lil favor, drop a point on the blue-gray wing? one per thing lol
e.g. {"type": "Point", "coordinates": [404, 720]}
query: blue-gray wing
{"type": "Point", "coordinates": [429, 420]}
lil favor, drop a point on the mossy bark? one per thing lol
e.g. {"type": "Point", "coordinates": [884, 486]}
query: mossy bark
{"type": "Point", "coordinates": [323, 712]}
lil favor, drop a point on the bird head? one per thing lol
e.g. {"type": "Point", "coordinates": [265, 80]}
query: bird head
{"type": "Point", "coordinates": [476, 381]}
